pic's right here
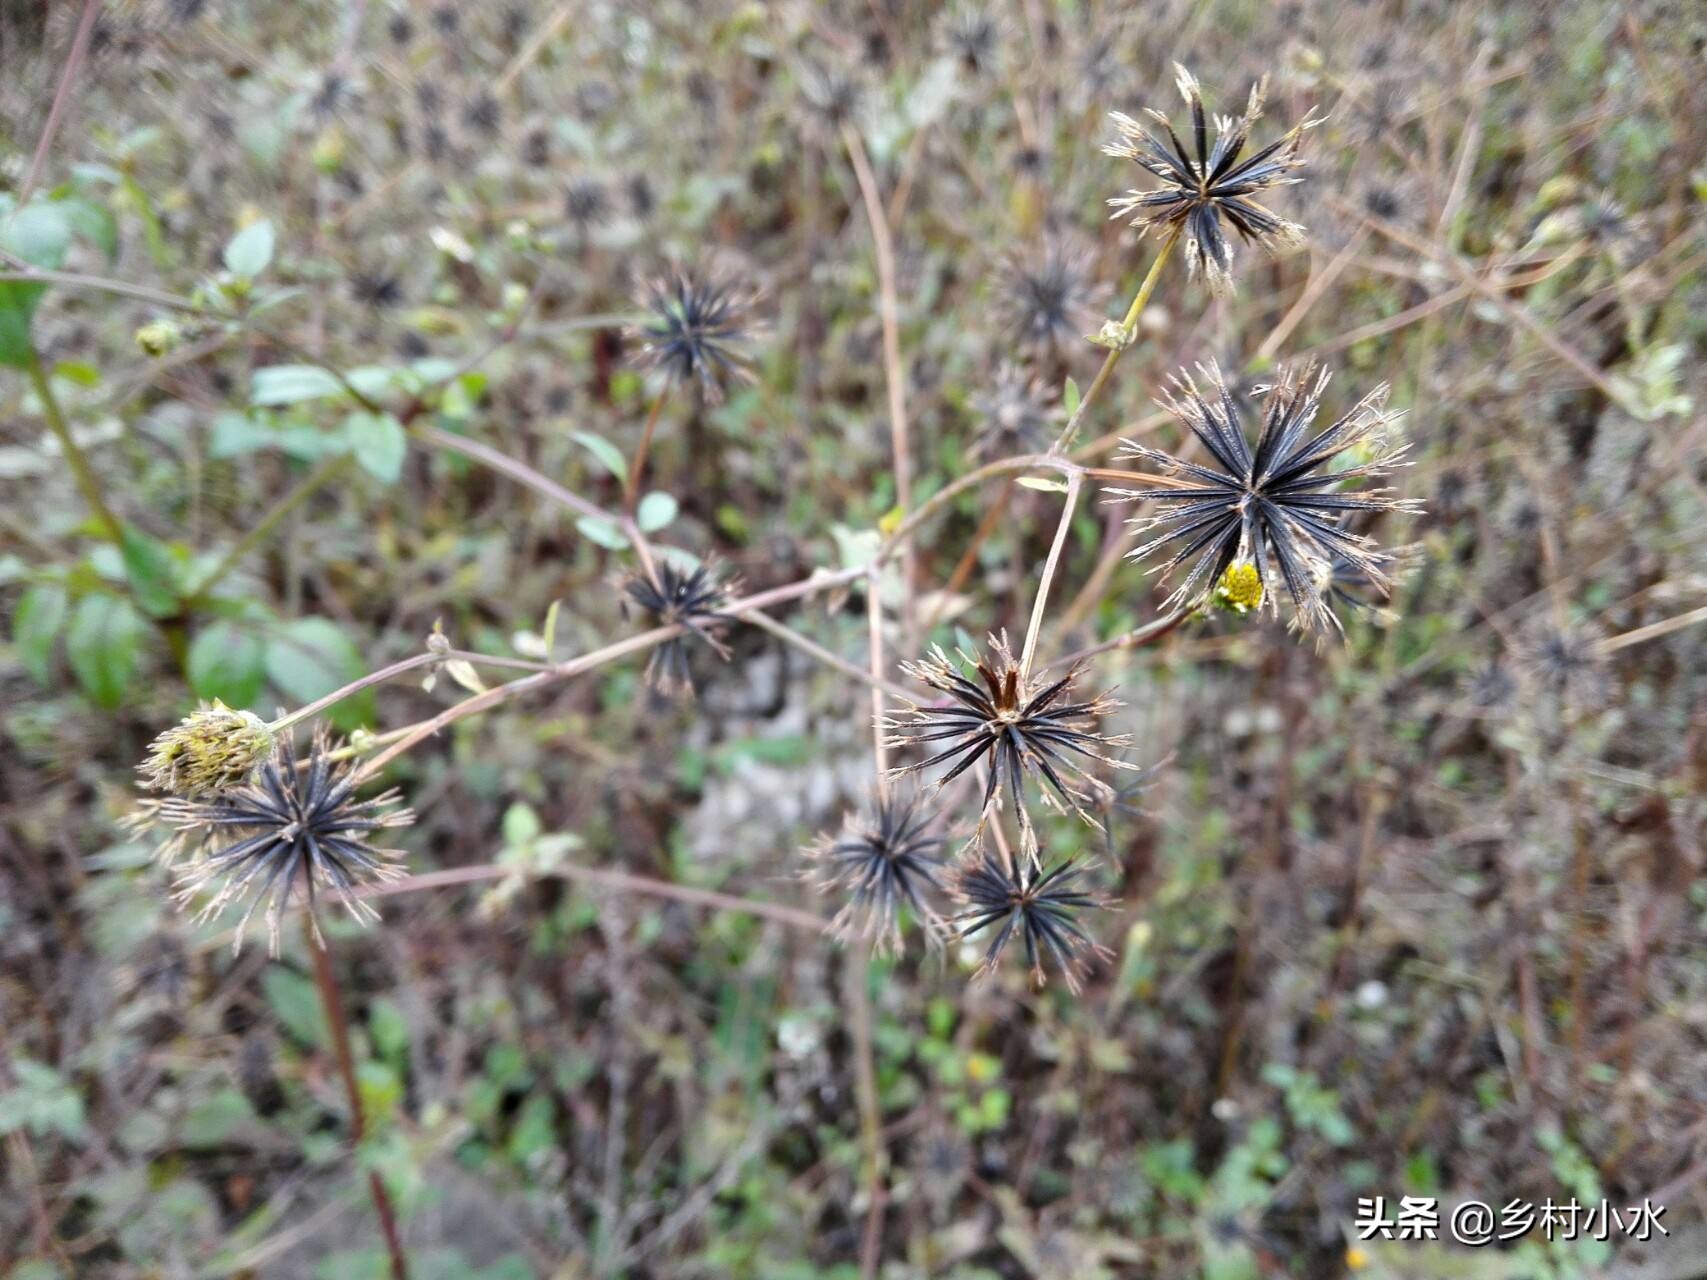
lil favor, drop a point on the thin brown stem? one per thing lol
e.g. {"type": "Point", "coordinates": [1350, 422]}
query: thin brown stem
{"type": "Point", "coordinates": [61, 96]}
{"type": "Point", "coordinates": [1149, 633]}
{"type": "Point", "coordinates": [894, 376]}
{"type": "Point", "coordinates": [326, 980]}
{"type": "Point", "coordinates": [856, 974]}
{"type": "Point", "coordinates": [610, 878]}
{"type": "Point", "coordinates": [1040, 603]}
{"type": "Point", "coordinates": [818, 653]}
{"type": "Point", "coordinates": [637, 468]}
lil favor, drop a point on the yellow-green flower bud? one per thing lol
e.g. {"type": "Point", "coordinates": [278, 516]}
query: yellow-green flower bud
{"type": "Point", "coordinates": [1240, 588]}
{"type": "Point", "coordinates": [213, 750]}
{"type": "Point", "coordinates": [159, 338]}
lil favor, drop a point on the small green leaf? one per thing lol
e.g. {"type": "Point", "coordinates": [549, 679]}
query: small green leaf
{"type": "Point", "coordinates": [152, 570]}
{"type": "Point", "coordinates": [235, 434]}
{"type": "Point", "coordinates": [95, 223]}
{"type": "Point", "coordinates": [607, 454]}
{"type": "Point", "coordinates": [39, 233]}
{"type": "Point", "coordinates": [215, 1119]}
{"type": "Point", "coordinates": [296, 1003]}
{"type": "Point", "coordinates": [550, 638]}
{"type": "Point", "coordinates": [1044, 484]}
{"type": "Point", "coordinates": [227, 662]}
{"type": "Point", "coordinates": [1070, 398]}
{"type": "Point", "coordinates": [602, 532]}
{"type": "Point", "coordinates": [311, 657]}
{"type": "Point", "coordinates": [250, 250]}
{"type": "Point", "coordinates": [102, 643]}
{"type": "Point", "coordinates": [292, 384]}
{"type": "Point", "coordinates": [655, 511]}
{"type": "Point", "coordinates": [35, 625]}
{"type": "Point", "coordinates": [379, 443]}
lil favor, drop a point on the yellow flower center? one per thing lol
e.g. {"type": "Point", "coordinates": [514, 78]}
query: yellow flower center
{"type": "Point", "coordinates": [1240, 588]}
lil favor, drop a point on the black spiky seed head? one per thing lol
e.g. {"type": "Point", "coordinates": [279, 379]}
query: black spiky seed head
{"type": "Point", "coordinates": [1565, 662]}
{"type": "Point", "coordinates": [1279, 505]}
{"type": "Point", "coordinates": [695, 329]}
{"type": "Point", "coordinates": [483, 114]}
{"type": "Point", "coordinates": [690, 598]}
{"type": "Point", "coordinates": [1040, 906]}
{"type": "Point", "coordinates": [376, 289]}
{"type": "Point", "coordinates": [1016, 725]}
{"type": "Point", "coordinates": [585, 203]}
{"type": "Point", "coordinates": [1048, 297]}
{"type": "Point", "coordinates": [885, 859]}
{"type": "Point", "coordinates": [297, 826]}
{"type": "Point", "coordinates": [972, 37]}
{"type": "Point", "coordinates": [1349, 584]}
{"type": "Point", "coordinates": [1201, 186]}
{"type": "Point", "coordinates": [1015, 414]}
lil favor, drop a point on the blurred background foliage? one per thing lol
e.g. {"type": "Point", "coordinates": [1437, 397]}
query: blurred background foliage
{"type": "Point", "coordinates": [1419, 914]}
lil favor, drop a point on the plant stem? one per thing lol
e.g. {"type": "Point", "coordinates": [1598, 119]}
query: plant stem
{"type": "Point", "coordinates": [1074, 481]}
{"type": "Point", "coordinates": [1139, 301]}
{"type": "Point", "coordinates": [818, 653]}
{"type": "Point", "coordinates": [894, 376]}
{"type": "Point", "coordinates": [645, 640]}
{"type": "Point", "coordinates": [1149, 633]}
{"type": "Point", "coordinates": [396, 669]}
{"type": "Point", "coordinates": [856, 973]}
{"type": "Point", "coordinates": [637, 468]}
{"type": "Point", "coordinates": [505, 465]}
{"type": "Point", "coordinates": [327, 470]}
{"type": "Point", "coordinates": [61, 95]}
{"type": "Point", "coordinates": [327, 982]}
{"type": "Point", "coordinates": [81, 471]}
{"type": "Point", "coordinates": [874, 640]}
{"type": "Point", "coordinates": [611, 878]}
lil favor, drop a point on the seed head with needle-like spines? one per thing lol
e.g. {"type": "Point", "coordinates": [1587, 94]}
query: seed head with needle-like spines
{"type": "Point", "coordinates": [1278, 505]}
{"type": "Point", "coordinates": [885, 859]}
{"type": "Point", "coordinates": [1015, 725]}
{"type": "Point", "coordinates": [298, 825]}
{"type": "Point", "coordinates": [1206, 183]}
{"type": "Point", "coordinates": [1037, 905]}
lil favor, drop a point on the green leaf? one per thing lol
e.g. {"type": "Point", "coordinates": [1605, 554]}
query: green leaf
{"type": "Point", "coordinates": [102, 644]}
{"type": "Point", "coordinates": [215, 1119]}
{"type": "Point", "coordinates": [297, 1005]}
{"type": "Point", "coordinates": [602, 532]}
{"type": "Point", "coordinates": [235, 434]}
{"type": "Point", "coordinates": [95, 223]}
{"type": "Point", "coordinates": [42, 1102]}
{"type": "Point", "coordinates": [39, 233]}
{"type": "Point", "coordinates": [550, 638]}
{"type": "Point", "coordinates": [35, 626]}
{"type": "Point", "coordinates": [250, 250]}
{"type": "Point", "coordinates": [379, 443]}
{"type": "Point", "coordinates": [655, 511]}
{"type": "Point", "coordinates": [311, 657]}
{"type": "Point", "coordinates": [227, 662]}
{"type": "Point", "coordinates": [1070, 398]}
{"type": "Point", "coordinates": [292, 384]}
{"type": "Point", "coordinates": [388, 1027]}
{"type": "Point", "coordinates": [152, 570]}
{"type": "Point", "coordinates": [607, 454]}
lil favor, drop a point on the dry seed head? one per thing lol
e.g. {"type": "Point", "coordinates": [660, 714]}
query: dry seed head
{"type": "Point", "coordinates": [211, 750]}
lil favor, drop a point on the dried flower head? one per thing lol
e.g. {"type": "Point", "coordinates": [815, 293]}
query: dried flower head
{"type": "Point", "coordinates": [1039, 905]}
{"type": "Point", "coordinates": [293, 825]}
{"type": "Point", "coordinates": [1016, 413]}
{"type": "Point", "coordinates": [1050, 297]}
{"type": "Point", "coordinates": [695, 328]}
{"type": "Point", "coordinates": [585, 203]}
{"type": "Point", "coordinates": [1565, 662]}
{"type": "Point", "coordinates": [884, 859]}
{"type": "Point", "coordinates": [1279, 505]}
{"type": "Point", "coordinates": [972, 36]}
{"type": "Point", "coordinates": [1197, 193]}
{"type": "Point", "coordinates": [1015, 725]}
{"type": "Point", "coordinates": [212, 750]}
{"type": "Point", "coordinates": [686, 597]}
